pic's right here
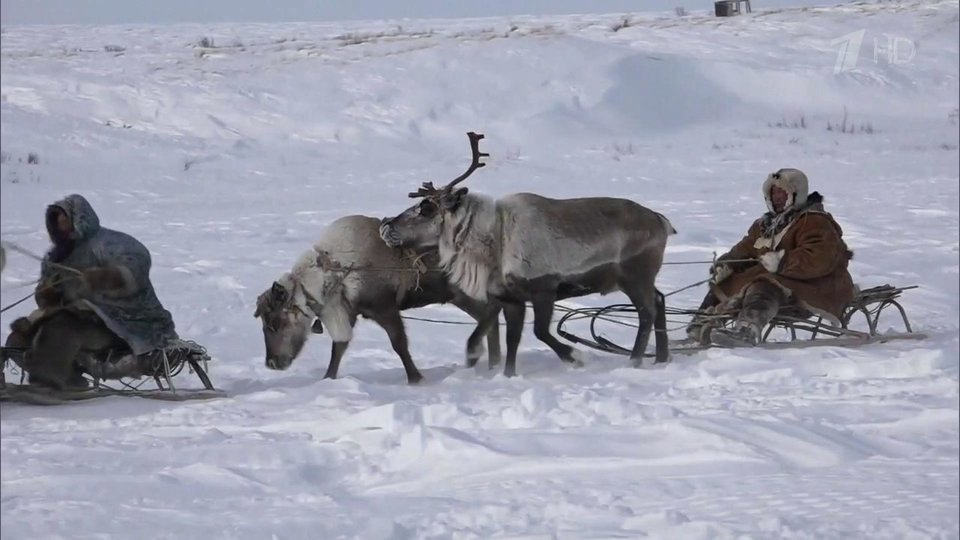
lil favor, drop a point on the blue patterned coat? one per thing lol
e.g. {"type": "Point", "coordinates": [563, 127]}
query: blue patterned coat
{"type": "Point", "coordinates": [132, 311]}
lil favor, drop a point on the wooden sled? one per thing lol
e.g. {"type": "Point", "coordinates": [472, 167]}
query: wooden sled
{"type": "Point", "coordinates": [130, 371]}
{"type": "Point", "coordinates": [803, 332]}
{"type": "Point", "coordinates": [39, 395]}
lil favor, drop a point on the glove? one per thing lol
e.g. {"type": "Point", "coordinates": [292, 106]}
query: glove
{"type": "Point", "coordinates": [771, 260]}
{"type": "Point", "coordinates": [720, 272]}
{"type": "Point", "coordinates": [22, 326]}
{"type": "Point", "coordinates": [108, 278]}
{"type": "Point", "coordinates": [48, 294]}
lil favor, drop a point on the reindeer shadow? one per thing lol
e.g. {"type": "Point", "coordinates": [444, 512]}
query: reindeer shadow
{"type": "Point", "coordinates": [537, 364]}
{"type": "Point", "coordinates": [397, 377]}
{"type": "Point", "coordinates": [291, 381]}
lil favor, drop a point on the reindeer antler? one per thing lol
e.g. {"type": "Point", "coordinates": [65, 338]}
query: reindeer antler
{"type": "Point", "coordinates": [427, 189]}
{"type": "Point", "coordinates": [474, 164]}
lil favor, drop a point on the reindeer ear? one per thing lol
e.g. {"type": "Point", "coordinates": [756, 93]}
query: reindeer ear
{"type": "Point", "coordinates": [452, 201]}
{"type": "Point", "coordinates": [278, 292]}
{"type": "Point", "coordinates": [262, 301]}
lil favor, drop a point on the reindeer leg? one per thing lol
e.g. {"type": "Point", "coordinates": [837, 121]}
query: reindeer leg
{"type": "Point", "coordinates": [486, 324]}
{"type": "Point", "coordinates": [486, 315]}
{"type": "Point", "coordinates": [391, 322]}
{"type": "Point", "coordinates": [475, 310]}
{"type": "Point", "coordinates": [542, 316]}
{"type": "Point", "coordinates": [336, 353]}
{"type": "Point", "coordinates": [514, 315]}
{"type": "Point", "coordinates": [493, 340]}
{"type": "Point", "coordinates": [660, 327]}
{"type": "Point", "coordinates": [643, 297]}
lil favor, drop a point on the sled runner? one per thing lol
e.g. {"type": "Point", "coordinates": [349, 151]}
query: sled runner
{"type": "Point", "coordinates": [129, 370]}
{"type": "Point", "coordinates": [802, 332]}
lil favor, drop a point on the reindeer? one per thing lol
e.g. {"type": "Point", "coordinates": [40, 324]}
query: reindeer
{"type": "Point", "coordinates": [351, 272]}
{"type": "Point", "coordinates": [528, 248]}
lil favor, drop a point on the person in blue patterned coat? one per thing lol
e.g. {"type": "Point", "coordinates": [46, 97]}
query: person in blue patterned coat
{"type": "Point", "coordinates": [94, 294]}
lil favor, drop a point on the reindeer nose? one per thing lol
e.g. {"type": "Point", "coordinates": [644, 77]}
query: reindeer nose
{"type": "Point", "coordinates": [279, 363]}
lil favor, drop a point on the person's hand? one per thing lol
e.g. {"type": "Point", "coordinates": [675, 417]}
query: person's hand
{"type": "Point", "coordinates": [48, 294]}
{"type": "Point", "coordinates": [771, 260]}
{"type": "Point", "coordinates": [22, 326]}
{"type": "Point", "coordinates": [720, 272]}
{"type": "Point", "coordinates": [105, 278]}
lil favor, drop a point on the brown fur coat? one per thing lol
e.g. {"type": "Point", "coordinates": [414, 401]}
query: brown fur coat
{"type": "Point", "coordinates": [813, 267]}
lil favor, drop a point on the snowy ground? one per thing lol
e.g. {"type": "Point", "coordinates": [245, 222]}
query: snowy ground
{"type": "Point", "coordinates": [228, 160]}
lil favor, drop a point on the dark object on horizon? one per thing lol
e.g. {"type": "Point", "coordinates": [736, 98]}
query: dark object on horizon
{"type": "Point", "coordinates": [729, 8]}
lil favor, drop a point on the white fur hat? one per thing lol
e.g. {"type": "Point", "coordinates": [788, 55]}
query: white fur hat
{"type": "Point", "coordinates": [793, 181]}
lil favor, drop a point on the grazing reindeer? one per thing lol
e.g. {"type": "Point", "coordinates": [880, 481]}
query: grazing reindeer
{"type": "Point", "coordinates": [524, 247]}
{"type": "Point", "coordinates": [351, 272]}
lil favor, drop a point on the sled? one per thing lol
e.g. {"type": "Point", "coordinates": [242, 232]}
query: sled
{"type": "Point", "coordinates": [802, 331]}
{"type": "Point", "coordinates": [129, 370]}
{"type": "Point", "coordinates": [39, 395]}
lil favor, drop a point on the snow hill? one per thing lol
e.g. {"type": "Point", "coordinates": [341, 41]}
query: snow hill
{"type": "Point", "coordinates": [227, 148]}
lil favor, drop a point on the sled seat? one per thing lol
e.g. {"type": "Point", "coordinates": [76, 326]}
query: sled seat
{"type": "Point", "coordinates": [868, 302]}
{"type": "Point", "coordinates": [159, 364]}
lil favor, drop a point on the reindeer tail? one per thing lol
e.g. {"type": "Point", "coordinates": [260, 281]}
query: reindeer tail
{"type": "Point", "coordinates": [666, 224]}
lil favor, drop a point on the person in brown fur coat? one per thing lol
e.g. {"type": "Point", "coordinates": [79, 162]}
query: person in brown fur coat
{"type": "Point", "coordinates": [792, 256]}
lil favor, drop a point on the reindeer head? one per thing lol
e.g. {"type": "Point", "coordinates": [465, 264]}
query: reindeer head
{"type": "Point", "coordinates": [286, 322]}
{"type": "Point", "coordinates": [419, 225]}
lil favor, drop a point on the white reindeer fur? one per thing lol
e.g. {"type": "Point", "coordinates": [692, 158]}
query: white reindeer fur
{"type": "Point", "coordinates": [479, 228]}
{"type": "Point", "coordinates": [350, 241]}
{"type": "Point", "coordinates": [518, 236]}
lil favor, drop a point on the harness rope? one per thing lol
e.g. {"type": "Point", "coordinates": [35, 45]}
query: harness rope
{"type": "Point", "coordinates": [417, 267]}
{"type": "Point", "coordinates": [327, 264]}
{"type": "Point", "coordinates": [49, 286]}
{"type": "Point", "coordinates": [584, 313]}
{"type": "Point", "coordinates": [14, 247]}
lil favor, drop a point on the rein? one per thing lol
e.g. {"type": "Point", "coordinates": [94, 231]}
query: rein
{"type": "Point", "coordinates": [28, 253]}
{"type": "Point", "coordinates": [709, 262]}
{"type": "Point", "coordinates": [31, 295]}
{"type": "Point", "coordinates": [17, 303]}
{"type": "Point", "coordinates": [327, 264]}
{"type": "Point", "coordinates": [565, 309]}
{"type": "Point", "coordinates": [14, 247]}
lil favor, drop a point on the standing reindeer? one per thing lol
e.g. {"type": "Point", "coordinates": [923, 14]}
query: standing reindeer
{"type": "Point", "coordinates": [351, 272]}
{"type": "Point", "coordinates": [525, 247]}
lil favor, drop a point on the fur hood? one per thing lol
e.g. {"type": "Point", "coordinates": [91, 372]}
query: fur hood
{"type": "Point", "coordinates": [793, 181]}
{"type": "Point", "coordinates": [85, 221]}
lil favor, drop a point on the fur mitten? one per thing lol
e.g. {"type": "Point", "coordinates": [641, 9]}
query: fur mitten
{"type": "Point", "coordinates": [720, 272]}
{"type": "Point", "coordinates": [109, 279]}
{"type": "Point", "coordinates": [771, 260]}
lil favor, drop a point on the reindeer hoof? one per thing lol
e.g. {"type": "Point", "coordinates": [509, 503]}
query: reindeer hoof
{"type": "Point", "coordinates": [642, 362]}
{"type": "Point", "coordinates": [474, 353]}
{"type": "Point", "coordinates": [575, 357]}
{"type": "Point", "coordinates": [414, 379]}
{"type": "Point", "coordinates": [664, 360]}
